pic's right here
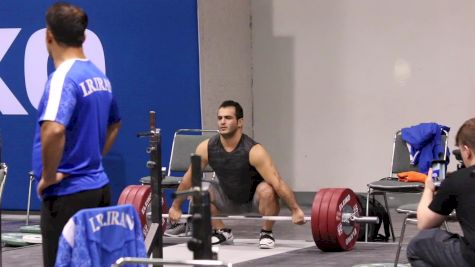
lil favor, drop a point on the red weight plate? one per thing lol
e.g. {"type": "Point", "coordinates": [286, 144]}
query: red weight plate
{"type": "Point", "coordinates": [319, 218]}
{"type": "Point", "coordinates": [326, 220]}
{"type": "Point", "coordinates": [357, 211]}
{"type": "Point", "coordinates": [164, 205]}
{"type": "Point", "coordinates": [139, 196]}
{"type": "Point", "coordinates": [123, 195]}
{"type": "Point", "coordinates": [136, 196]}
{"type": "Point", "coordinates": [165, 211]}
{"type": "Point", "coordinates": [132, 193]}
{"type": "Point", "coordinates": [315, 219]}
{"type": "Point", "coordinates": [317, 200]}
{"type": "Point", "coordinates": [140, 202]}
{"type": "Point", "coordinates": [142, 199]}
{"type": "Point", "coordinates": [343, 236]}
{"type": "Point", "coordinates": [334, 220]}
{"type": "Point", "coordinates": [147, 207]}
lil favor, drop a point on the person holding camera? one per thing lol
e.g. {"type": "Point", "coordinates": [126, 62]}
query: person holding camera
{"type": "Point", "coordinates": [434, 246]}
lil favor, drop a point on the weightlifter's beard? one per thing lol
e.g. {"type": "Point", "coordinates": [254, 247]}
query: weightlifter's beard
{"type": "Point", "coordinates": [229, 134]}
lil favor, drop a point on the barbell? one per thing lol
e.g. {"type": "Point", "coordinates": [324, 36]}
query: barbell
{"type": "Point", "coordinates": [346, 218]}
{"type": "Point", "coordinates": [335, 219]}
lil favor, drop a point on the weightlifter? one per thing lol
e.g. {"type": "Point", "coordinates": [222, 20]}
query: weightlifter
{"type": "Point", "coordinates": [247, 180]}
{"type": "Point", "coordinates": [434, 246]}
{"type": "Point", "coordinates": [78, 121]}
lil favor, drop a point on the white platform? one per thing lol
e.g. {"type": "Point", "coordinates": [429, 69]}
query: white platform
{"type": "Point", "coordinates": [242, 250]}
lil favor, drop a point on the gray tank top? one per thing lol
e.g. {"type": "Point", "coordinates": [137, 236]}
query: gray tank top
{"type": "Point", "coordinates": [237, 177]}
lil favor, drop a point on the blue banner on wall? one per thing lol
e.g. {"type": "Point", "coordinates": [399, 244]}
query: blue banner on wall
{"type": "Point", "coordinates": [149, 51]}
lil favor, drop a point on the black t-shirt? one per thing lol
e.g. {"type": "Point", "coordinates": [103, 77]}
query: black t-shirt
{"type": "Point", "coordinates": [237, 177]}
{"type": "Point", "coordinates": [457, 192]}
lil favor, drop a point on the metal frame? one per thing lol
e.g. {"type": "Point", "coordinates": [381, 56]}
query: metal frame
{"type": "Point", "coordinates": [394, 151]}
{"type": "Point", "coordinates": [411, 217]}
{"type": "Point", "coordinates": [3, 179]}
{"type": "Point", "coordinates": [28, 205]}
{"type": "Point", "coordinates": [182, 131]}
{"type": "Point", "coordinates": [167, 171]}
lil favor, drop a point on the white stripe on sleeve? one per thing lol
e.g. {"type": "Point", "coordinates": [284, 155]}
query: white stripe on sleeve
{"type": "Point", "coordinates": [56, 89]}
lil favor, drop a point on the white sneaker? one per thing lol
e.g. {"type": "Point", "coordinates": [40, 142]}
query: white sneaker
{"type": "Point", "coordinates": [222, 236]}
{"type": "Point", "coordinates": [266, 239]}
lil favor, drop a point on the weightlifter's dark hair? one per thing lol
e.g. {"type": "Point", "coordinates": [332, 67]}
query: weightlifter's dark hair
{"type": "Point", "coordinates": [67, 23]}
{"type": "Point", "coordinates": [466, 134]}
{"type": "Point", "coordinates": [236, 105]}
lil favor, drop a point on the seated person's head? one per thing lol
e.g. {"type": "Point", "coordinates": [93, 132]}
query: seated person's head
{"type": "Point", "coordinates": [465, 141]}
{"type": "Point", "coordinates": [238, 111]}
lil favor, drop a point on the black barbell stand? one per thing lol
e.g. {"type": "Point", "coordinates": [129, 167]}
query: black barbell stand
{"type": "Point", "coordinates": [200, 243]}
{"type": "Point", "coordinates": [154, 238]}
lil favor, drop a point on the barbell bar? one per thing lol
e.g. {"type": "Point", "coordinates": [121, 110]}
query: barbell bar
{"type": "Point", "coordinates": [335, 218]}
{"type": "Point", "coordinates": [346, 217]}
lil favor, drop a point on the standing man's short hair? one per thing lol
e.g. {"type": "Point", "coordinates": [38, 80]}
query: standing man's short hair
{"type": "Point", "coordinates": [466, 134]}
{"type": "Point", "coordinates": [236, 105]}
{"type": "Point", "coordinates": [67, 23]}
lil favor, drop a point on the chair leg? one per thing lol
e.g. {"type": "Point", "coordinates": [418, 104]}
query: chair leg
{"type": "Point", "coordinates": [3, 179]}
{"type": "Point", "coordinates": [401, 238]}
{"type": "Point", "coordinates": [32, 178]}
{"type": "Point", "coordinates": [389, 216]}
{"type": "Point", "coordinates": [366, 227]}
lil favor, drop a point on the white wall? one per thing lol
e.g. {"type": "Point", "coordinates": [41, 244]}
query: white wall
{"type": "Point", "coordinates": [225, 57]}
{"type": "Point", "coordinates": [333, 80]}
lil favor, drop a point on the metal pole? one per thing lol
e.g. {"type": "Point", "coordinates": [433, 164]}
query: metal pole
{"type": "Point", "coordinates": [156, 183]}
{"type": "Point", "coordinates": [200, 243]}
{"type": "Point", "coordinates": [31, 178]}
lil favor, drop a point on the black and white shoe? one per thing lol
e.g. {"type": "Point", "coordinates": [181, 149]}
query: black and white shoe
{"type": "Point", "coordinates": [266, 239]}
{"type": "Point", "coordinates": [222, 236]}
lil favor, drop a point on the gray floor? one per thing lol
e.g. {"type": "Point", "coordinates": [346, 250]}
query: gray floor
{"type": "Point", "coordinates": [363, 253]}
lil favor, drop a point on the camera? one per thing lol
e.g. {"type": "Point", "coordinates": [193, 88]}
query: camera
{"type": "Point", "coordinates": [458, 157]}
{"type": "Point", "coordinates": [438, 172]}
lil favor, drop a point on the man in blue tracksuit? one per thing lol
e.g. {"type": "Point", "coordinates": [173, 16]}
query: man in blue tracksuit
{"type": "Point", "coordinates": [78, 121]}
